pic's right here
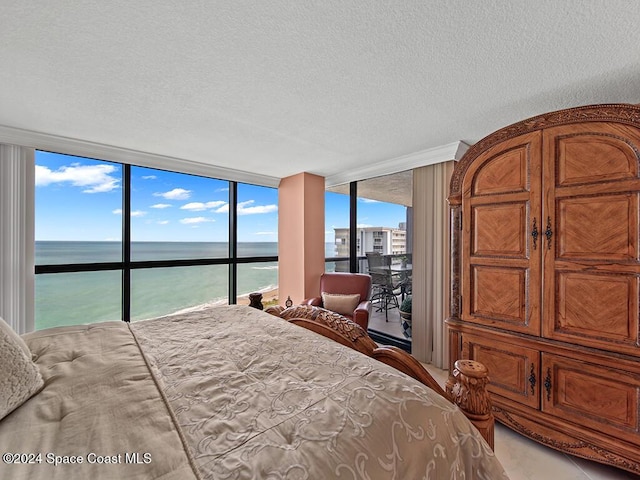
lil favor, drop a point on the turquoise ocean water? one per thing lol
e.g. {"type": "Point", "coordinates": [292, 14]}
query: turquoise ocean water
{"type": "Point", "coordinates": [88, 297]}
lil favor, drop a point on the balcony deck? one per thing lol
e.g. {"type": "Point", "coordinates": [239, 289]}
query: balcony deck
{"type": "Point", "coordinates": [388, 332]}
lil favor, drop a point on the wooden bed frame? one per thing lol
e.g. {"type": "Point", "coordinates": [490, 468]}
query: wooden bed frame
{"type": "Point", "coordinates": [466, 386]}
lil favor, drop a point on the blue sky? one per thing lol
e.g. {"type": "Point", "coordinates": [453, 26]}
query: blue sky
{"type": "Point", "coordinates": [80, 199]}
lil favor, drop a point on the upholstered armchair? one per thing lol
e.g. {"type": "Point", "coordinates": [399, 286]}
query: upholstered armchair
{"type": "Point", "coordinates": [347, 294]}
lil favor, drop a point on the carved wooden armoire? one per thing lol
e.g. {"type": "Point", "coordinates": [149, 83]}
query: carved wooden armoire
{"type": "Point", "coordinates": [546, 277]}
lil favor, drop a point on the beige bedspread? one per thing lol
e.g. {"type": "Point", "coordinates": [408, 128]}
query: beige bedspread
{"type": "Point", "coordinates": [99, 404]}
{"type": "Point", "coordinates": [251, 395]}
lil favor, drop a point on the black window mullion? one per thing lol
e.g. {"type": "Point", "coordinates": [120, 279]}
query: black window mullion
{"type": "Point", "coordinates": [233, 243]}
{"type": "Point", "coordinates": [353, 227]}
{"type": "Point", "coordinates": [126, 242]}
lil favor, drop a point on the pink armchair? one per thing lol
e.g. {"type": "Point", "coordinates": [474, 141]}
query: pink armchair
{"type": "Point", "coordinates": [347, 294]}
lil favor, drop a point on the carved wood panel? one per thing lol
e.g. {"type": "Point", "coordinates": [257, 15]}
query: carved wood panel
{"type": "Point", "coordinates": [596, 310]}
{"type": "Point", "coordinates": [598, 227]}
{"type": "Point", "coordinates": [596, 396]}
{"type": "Point", "coordinates": [513, 369]}
{"type": "Point", "coordinates": [497, 230]}
{"type": "Point", "coordinates": [500, 268]}
{"type": "Point", "coordinates": [592, 269]}
{"type": "Point", "coordinates": [499, 296]}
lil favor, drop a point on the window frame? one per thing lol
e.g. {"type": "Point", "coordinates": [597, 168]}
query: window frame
{"type": "Point", "coordinates": [126, 265]}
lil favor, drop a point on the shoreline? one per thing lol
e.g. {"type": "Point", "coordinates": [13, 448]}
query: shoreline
{"type": "Point", "coordinates": [269, 297]}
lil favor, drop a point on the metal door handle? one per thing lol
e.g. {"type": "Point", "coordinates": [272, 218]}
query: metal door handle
{"type": "Point", "coordinates": [548, 233]}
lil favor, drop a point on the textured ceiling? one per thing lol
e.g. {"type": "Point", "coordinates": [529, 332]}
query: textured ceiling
{"type": "Point", "coordinates": [393, 188]}
{"type": "Point", "coordinates": [331, 87]}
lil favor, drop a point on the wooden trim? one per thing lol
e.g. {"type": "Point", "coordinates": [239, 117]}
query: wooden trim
{"type": "Point", "coordinates": [620, 113]}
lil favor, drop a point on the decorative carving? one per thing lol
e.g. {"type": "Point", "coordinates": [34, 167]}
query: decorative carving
{"type": "Point", "coordinates": [532, 379]}
{"type": "Point", "coordinates": [275, 310]}
{"type": "Point", "coordinates": [348, 329]}
{"type": "Point", "coordinates": [547, 384]}
{"type": "Point", "coordinates": [534, 233]}
{"type": "Point", "coordinates": [548, 233]}
{"type": "Point", "coordinates": [467, 387]}
{"type": "Point", "coordinates": [574, 447]}
{"type": "Point", "coordinates": [621, 113]}
{"type": "Point", "coordinates": [456, 227]}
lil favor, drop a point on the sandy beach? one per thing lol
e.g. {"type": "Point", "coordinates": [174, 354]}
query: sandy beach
{"type": "Point", "coordinates": [269, 298]}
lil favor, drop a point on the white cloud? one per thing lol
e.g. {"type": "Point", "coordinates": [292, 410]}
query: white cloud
{"type": "Point", "coordinates": [163, 222]}
{"type": "Point", "coordinates": [160, 205]}
{"type": "Point", "coordinates": [257, 209]}
{"type": "Point", "coordinates": [368, 200]}
{"type": "Point", "coordinates": [92, 178]}
{"type": "Point", "coordinates": [245, 209]}
{"type": "Point", "coordinates": [175, 194]}
{"type": "Point", "coordinates": [265, 233]}
{"type": "Point", "coordinates": [134, 213]}
{"type": "Point", "coordinates": [195, 220]}
{"type": "Point", "coordinates": [199, 206]}
{"type": "Point", "coordinates": [149, 177]}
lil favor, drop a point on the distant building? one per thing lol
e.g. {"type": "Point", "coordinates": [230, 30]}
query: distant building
{"type": "Point", "coordinates": [383, 240]}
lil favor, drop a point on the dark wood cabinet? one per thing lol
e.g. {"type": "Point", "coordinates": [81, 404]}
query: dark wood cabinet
{"type": "Point", "coordinates": [546, 277]}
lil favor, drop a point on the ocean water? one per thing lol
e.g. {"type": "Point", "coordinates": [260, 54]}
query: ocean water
{"type": "Point", "coordinates": [89, 297]}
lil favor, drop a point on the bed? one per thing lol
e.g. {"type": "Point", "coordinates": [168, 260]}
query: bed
{"type": "Point", "coordinates": [229, 393]}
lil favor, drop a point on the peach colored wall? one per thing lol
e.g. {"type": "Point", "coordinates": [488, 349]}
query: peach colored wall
{"type": "Point", "coordinates": [300, 236]}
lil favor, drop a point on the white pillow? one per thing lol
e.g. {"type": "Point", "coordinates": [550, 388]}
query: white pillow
{"type": "Point", "coordinates": [340, 303]}
{"type": "Point", "coordinates": [20, 378]}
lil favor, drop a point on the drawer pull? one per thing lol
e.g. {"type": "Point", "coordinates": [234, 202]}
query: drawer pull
{"type": "Point", "coordinates": [532, 380]}
{"type": "Point", "coordinates": [547, 384]}
{"type": "Point", "coordinates": [548, 233]}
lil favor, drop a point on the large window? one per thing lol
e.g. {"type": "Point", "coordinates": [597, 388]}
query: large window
{"type": "Point", "coordinates": [374, 217]}
{"type": "Point", "coordinates": [257, 237]}
{"type": "Point", "coordinates": [382, 227]}
{"type": "Point", "coordinates": [337, 233]}
{"type": "Point", "coordinates": [78, 203]}
{"type": "Point", "coordinates": [163, 290]}
{"type": "Point", "coordinates": [77, 297]}
{"type": "Point", "coordinates": [115, 241]}
{"type": "Point", "coordinates": [178, 216]}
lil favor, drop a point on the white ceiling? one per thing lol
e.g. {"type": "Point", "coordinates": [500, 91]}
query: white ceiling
{"type": "Point", "coordinates": [345, 89]}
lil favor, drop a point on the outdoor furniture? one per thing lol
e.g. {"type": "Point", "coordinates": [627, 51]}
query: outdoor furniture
{"type": "Point", "coordinates": [386, 282]}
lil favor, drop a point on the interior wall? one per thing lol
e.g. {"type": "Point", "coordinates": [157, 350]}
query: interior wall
{"type": "Point", "coordinates": [431, 263]}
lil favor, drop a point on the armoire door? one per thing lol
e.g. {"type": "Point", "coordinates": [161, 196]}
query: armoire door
{"type": "Point", "coordinates": [599, 397]}
{"type": "Point", "coordinates": [501, 238]}
{"type": "Point", "coordinates": [514, 369]}
{"type": "Point", "coordinates": [591, 205]}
